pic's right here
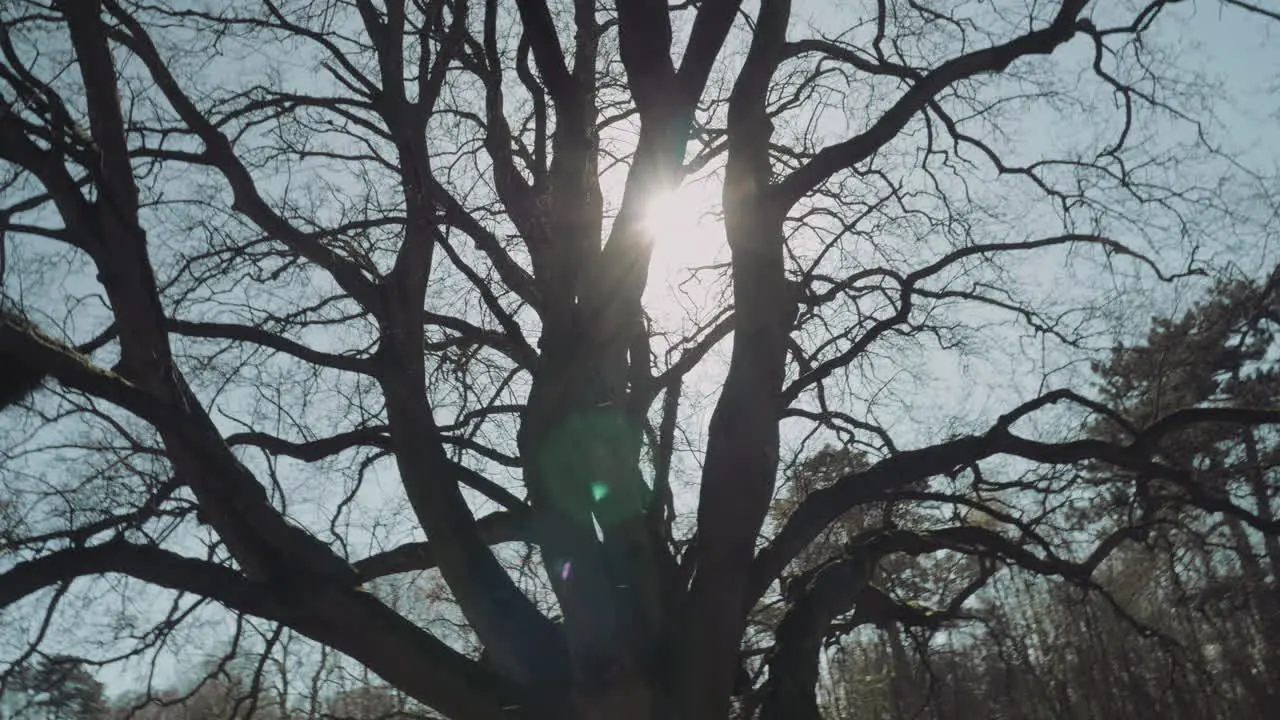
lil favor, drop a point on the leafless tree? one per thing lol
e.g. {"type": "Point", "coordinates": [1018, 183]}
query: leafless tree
{"type": "Point", "coordinates": [291, 263]}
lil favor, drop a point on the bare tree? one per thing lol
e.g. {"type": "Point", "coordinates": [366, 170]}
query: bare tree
{"type": "Point", "coordinates": [306, 270]}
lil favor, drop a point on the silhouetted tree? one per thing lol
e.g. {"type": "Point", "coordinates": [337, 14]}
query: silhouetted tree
{"type": "Point", "coordinates": [330, 292]}
{"type": "Point", "coordinates": [56, 687]}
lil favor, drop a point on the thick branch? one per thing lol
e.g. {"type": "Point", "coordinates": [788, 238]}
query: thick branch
{"type": "Point", "coordinates": [706, 39]}
{"type": "Point", "coordinates": [147, 563]}
{"type": "Point", "coordinates": [644, 37]}
{"type": "Point", "coordinates": [547, 54]}
{"type": "Point", "coordinates": [742, 440]}
{"type": "Point", "coordinates": [268, 339]}
{"type": "Point", "coordinates": [402, 653]}
{"type": "Point", "coordinates": [497, 528]}
{"type": "Point", "coordinates": [822, 507]}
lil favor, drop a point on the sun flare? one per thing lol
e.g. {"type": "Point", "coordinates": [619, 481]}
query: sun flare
{"type": "Point", "coordinates": [675, 216]}
{"type": "Point", "coordinates": [685, 228]}
{"type": "Point", "coordinates": [687, 233]}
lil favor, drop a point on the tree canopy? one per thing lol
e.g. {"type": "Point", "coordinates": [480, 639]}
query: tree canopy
{"type": "Point", "coordinates": [619, 360]}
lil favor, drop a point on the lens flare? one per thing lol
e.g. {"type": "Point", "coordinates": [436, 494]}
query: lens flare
{"type": "Point", "coordinates": [599, 491]}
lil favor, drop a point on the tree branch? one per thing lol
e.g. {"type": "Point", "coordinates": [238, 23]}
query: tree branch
{"type": "Point", "coordinates": [496, 528]}
{"type": "Point", "coordinates": [388, 644]}
{"type": "Point", "coordinates": [845, 155]}
{"type": "Point", "coordinates": [823, 506]}
{"type": "Point", "coordinates": [541, 31]}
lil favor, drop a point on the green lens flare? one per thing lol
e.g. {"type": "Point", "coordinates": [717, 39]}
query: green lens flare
{"type": "Point", "coordinates": [579, 460]}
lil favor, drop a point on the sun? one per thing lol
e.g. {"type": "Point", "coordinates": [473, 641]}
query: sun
{"type": "Point", "coordinates": [674, 216]}
{"type": "Point", "coordinates": [685, 228]}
